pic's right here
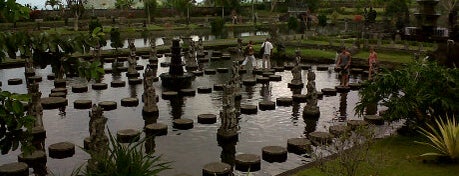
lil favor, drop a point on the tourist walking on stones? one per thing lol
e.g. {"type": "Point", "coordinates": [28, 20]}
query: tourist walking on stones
{"type": "Point", "coordinates": [343, 64]}
{"type": "Point", "coordinates": [372, 60]}
{"type": "Point", "coordinates": [249, 55]}
{"type": "Point", "coordinates": [267, 46]}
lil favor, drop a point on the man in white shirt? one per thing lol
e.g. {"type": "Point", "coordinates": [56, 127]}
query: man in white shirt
{"type": "Point", "coordinates": [268, 47]}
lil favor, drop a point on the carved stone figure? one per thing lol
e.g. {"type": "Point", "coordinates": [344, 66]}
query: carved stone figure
{"type": "Point", "coordinates": [98, 145]}
{"type": "Point", "coordinates": [35, 108]}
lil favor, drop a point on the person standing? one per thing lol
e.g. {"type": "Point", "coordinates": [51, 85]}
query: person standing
{"type": "Point", "coordinates": [344, 63]}
{"type": "Point", "coordinates": [249, 55]}
{"type": "Point", "coordinates": [268, 50]}
{"type": "Point", "coordinates": [372, 59]}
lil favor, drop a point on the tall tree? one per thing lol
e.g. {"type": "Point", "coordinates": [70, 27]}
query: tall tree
{"type": "Point", "coordinates": [77, 8]}
{"type": "Point", "coordinates": [149, 7]}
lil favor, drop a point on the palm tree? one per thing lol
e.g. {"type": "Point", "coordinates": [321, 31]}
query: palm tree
{"type": "Point", "coordinates": [150, 6]}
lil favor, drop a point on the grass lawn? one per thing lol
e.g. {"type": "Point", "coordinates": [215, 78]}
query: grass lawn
{"type": "Point", "coordinates": [400, 157]}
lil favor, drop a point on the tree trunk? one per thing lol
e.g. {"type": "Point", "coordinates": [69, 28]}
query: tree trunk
{"type": "Point", "coordinates": [273, 5]}
{"type": "Point", "coordinates": [75, 23]}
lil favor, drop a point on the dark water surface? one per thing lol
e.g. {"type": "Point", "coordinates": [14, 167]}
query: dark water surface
{"type": "Point", "coordinates": [189, 150]}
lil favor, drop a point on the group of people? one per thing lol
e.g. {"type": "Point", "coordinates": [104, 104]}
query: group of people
{"type": "Point", "coordinates": [342, 61]}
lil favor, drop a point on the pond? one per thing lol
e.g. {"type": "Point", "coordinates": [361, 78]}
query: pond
{"type": "Point", "coordinates": [189, 150]}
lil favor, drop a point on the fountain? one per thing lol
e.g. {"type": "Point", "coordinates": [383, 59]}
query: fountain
{"type": "Point", "coordinates": [176, 78]}
{"type": "Point", "coordinates": [427, 19]}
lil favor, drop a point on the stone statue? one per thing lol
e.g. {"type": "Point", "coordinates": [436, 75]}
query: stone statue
{"type": "Point", "coordinates": [296, 73]}
{"type": "Point", "coordinates": [311, 109]}
{"type": "Point", "coordinates": [153, 51]}
{"type": "Point", "coordinates": [132, 64]}
{"type": "Point", "coordinates": [200, 47]}
{"type": "Point", "coordinates": [229, 113]}
{"type": "Point", "coordinates": [132, 47]}
{"type": "Point", "coordinates": [98, 145]}
{"type": "Point", "coordinates": [149, 94]}
{"type": "Point", "coordinates": [35, 109]}
{"type": "Point", "coordinates": [148, 77]}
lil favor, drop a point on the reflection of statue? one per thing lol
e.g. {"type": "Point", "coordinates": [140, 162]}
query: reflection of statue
{"type": "Point", "coordinates": [115, 70]}
{"type": "Point", "coordinates": [98, 145]}
{"type": "Point", "coordinates": [343, 107]}
{"type": "Point", "coordinates": [61, 71]}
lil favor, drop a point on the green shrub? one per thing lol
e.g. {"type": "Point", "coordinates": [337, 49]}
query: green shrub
{"type": "Point", "coordinates": [292, 23]}
{"type": "Point", "coordinates": [217, 26]}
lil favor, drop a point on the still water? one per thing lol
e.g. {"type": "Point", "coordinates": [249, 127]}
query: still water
{"type": "Point", "coordinates": [189, 150]}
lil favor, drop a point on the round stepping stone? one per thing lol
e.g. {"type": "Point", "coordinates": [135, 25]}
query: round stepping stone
{"type": "Point", "coordinates": [134, 81]}
{"type": "Point", "coordinates": [247, 162]}
{"type": "Point", "coordinates": [183, 124]}
{"type": "Point", "coordinates": [168, 54]}
{"type": "Point", "coordinates": [86, 143]}
{"type": "Point", "coordinates": [53, 102]}
{"type": "Point", "coordinates": [295, 85]}
{"type": "Point", "coordinates": [263, 80]}
{"type": "Point", "coordinates": [38, 133]}
{"type": "Point", "coordinates": [82, 104]}
{"type": "Point", "coordinates": [249, 82]}
{"type": "Point", "coordinates": [153, 61]}
{"type": "Point", "coordinates": [356, 70]}
{"type": "Point", "coordinates": [249, 109]}
{"type": "Point", "coordinates": [0, 83]}
{"type": "Point", "coordinates": [322, 68]}
{"type": "Point", "coordinates": [320, 95]}
{"type": "Point", "coordinates": [34, 159]}
{"type": "Point", "coordinates": [275, 78]}
{"type": "Point", "coordinates": [278, 69]}
{"type": "Point", "coordinates": [51, 76]}
{"type": "Point", "coordinates": [329, 91]}
{"type": "Point", "coordinates": [145, 56]}
{"type": "Point", "coordinates": [204, 90]}
{"type": "Point", "coordinates": [226, 57]}
{"type": "Point", "coordinates": [59, 90]}
{"type": "Point", "coordinates": [197, 73]}
{"type": "Point", "coordinates": [218, 87]}
{"type": "Point", "coordinates": [207, 118]}
{"type": "Point", "coordinates": [305, 67]}
{"type": "Point", "coordinates": [311, 112]}
{"type": "Point", "coordinates": [157, 129]}
{"type": "Point", "coordinates": [35, 79]}
{"type": "Point", "coordinates": [128, 136]}
{"type": "Point", "coordinates": [242, 71]}
{"type": "Point", "coordinates": [257, 71]}
{"type": "Point", "coordinates": [374, 119]}
{"type": "Point", "coordinates": [320, 138]}
{"type": "Point", "coordinates": [150, 112]}
{"type": "Point", "coordinates": [58, 94]}
{"type": "Point", "coordinates": [132, 75]}
{"type": "Point", "coordinates": [129, 102]}
{"type": "Point", "coordinates": [164, 64]}
{"type": "Point", "coordinates": [108, 105]}
{"type": "Point", "coordinates": [122, 59]}
{"type": "Point", "coordinates": [299, 98]}
{"type": "Point", "coordinates": [354, 86]}
{"type": "Point", "coordinates": [14, 81]}
{"type": "Point", "coordinates": [187, 92]}
{"type": "Point", "coordinates": [14, 169]}
{"type": "Point", "coordinates": [288, 67]}
{"type": "Point", "coordinates": [122, 69]}
{"type": "Point", "coordinates": [267, 105]}
{"type": "Point", "coordinates": [29, 73]}
{"type": "Point", "coordinates": [217, 169]}
{"type": "Point", "coordinates": [267, 74]}
{"type": "Point", "coordinates": [80, 88]}
{"type": "Point", "coordinates": [169, 95]}
{"type": "Point", "coordinates": [108, 70]}
{"type": "Point", "coordinates": [354, 124]}
{"type": "Point", "coordinates": [210, 71]}
{"type": "Point", "coordinates": [338, 130]}
{"type": "Point", "coordinates": [222, 70]}
{"type": "Point", "coordinates": [299, 145]}
{"type": "Point", "coordinates": [284, 101]}
{"type": "Point", "coordinates": [99, 86]}
{"type": "Point", "coordinates": [274, 153]}
{"type": "Point", "coordinates": [342, 89]}
{"type": "Point", "coordinates": [109, 60]}
{"type": "Point", "coordinates": [60, 83]}
{"type": "Point", "coordinates": [61, 150]}
{"type": "Point", "coordinates": [118, 83]}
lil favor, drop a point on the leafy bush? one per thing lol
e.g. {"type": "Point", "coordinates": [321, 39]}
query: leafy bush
{"type": "Point", "coordinates": [322, 20]}
{"type": "Point", "coordinates": [444, 138]}
{"type": "Point", "coordinates": [217, 26]}
{"type": "Point", "coordinates": [292, 23]}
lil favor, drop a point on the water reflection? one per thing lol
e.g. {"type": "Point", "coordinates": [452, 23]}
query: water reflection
{"type": "Point", "coordinates": [265, 92]}
{"type": "Point", "coordinates": [177, 105]}
{"type": "Point", "coordinates": [342, 107]}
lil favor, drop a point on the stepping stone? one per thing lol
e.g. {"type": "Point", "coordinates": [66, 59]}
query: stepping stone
{"type": "Point", "coordinates": [320, 95]}
{"type": "Point", "coordinates": [169, 95]}
{"type": "Point", "coordinates": [278, 69]}
{"type": "Point", "coordinates": [82, 104]}
{"type": "Point", "coordinates": [99, 86]}
{"type": "Point", "coordinates": [374, 119]}
{"type": "Point", "coordinates": [29, 73]}
{"type": "Point", "coordinates": [299, 145]}
{"type": "Point", "coordinates": [284, 101]}
{"type": "Point", "coordinates": [152, 112]}
{"type": "Point", "coordinates": [356, 70]}
{"type": "Point", "coordinates": [274, 154]}
{"type": "Point", "coordinates": [249, 82]}
{"type": "Point", "coordinates": [207, 118]}
{"type": "Point", "coordinates": [60, 83]}
{"type": "Point", "coordinates": [157, 129]}
{"type": "Point", "coordinates": [167, 54]}
{"type": "Point", "coordinates": [215, 58]}
{"type": "Point", "coordinates": [34, 159]}
{"type": "Point", "coordinates": [204, 90]}
{"type": "Point", "coordinates": [183, 124]}
{"type": "Point", "coordinates": [249, 109]}
{"type": "Point", "coordinates": [38, 133]}
{"type": "Point", "coordinates": [354, 124]}
{"type": "Point", "coordinates": [122, 69]}
{"type": "Point", "coordinates": [197, 73]}
{"type": "Point", "coordinates": [288, 67]}
{"type": "Point", "coordinates": [320, 138]}
{"type": "Point", "coordinates": [108, 105]}
{"type": "Point", "coordinates": [275, 78]}
{"type": "Point", "coordinates": [51, 76]}
{"type": "Point", "coordinates": [61, 150]}
{"type": "Point", "coordinates": [59, 90]}
{"type": "Point", "coordinates": [217, 169]}
{"type": "Point", "coordinates": [129, 102]}
{"type": "Point", "coordinates": [322, 68]}
{"type": "Point", "coordinates": [263, 80]}
{"type": "Point", "coordinates": [257, 71]}
{"type": "Point", "coordinates": [338, 130]}
{"type": "Point", "coordinates": [145, 56]}
{"type": "Point", "coordinates": [14, 81]}
{"type": "Point", "coordinates": [329, 91]}
{"type": "Point", "coordinates": [216, 53]}
{"type": "Point", "coordinates": [15, 169]}
{"type": "Point", "coordinates": [187, 92]}
{"type": "Point", "coordinates": [354, 86]}
{"type": "Point", "coordinates": [35, 79]}
{"type": "Point", "coordinates": [342, 89]}
{"type": "Point", "coordinates": [153, 61]}
{"type": "Point", "coordinates": [58, 94]}
{"type": "Point", "coordinates": [118, 83]}
{"type": "Point", "coordinates": [128, 136]}
{"type": "Point", "coordinates": [311, 112]}
{"type": "Point", "coordinates": [218, 87]}
{"type": "Point", "coordinates": [80, 88]}
{"type": "Point", "coordinates": [134, 81]}
{"type": "Point", "coordinates": [267, 105]}
{"type": "Point", "coordinates": [267, 74]}
{"type": "Point", "coordinates": [53, 102]}
{"type": "Point", "coordinates": [133, 75]}
{"type": "Point", "coordinates": [242, 71]}
{"type": "Point", "coordinates": [222, 70]}
{"type": "Point", "coordinates": [109, 60]}
{"type": "Point", "coordinates": [295, 85]}
{"type": "Point", "coordinates": [165, 64]}
{"type": "Point", "coordinates": [226, 57]}
{"type": "Point", "coordinates": [299, 98]}
{"type": "Point", "coordinates": [305, 67]}
{"type": "Point", "coordinates": [247, 162]}
{"type": "Point", "coordinates": [122, 59]}
{"type": "Point", "coordinates": [210, 71]}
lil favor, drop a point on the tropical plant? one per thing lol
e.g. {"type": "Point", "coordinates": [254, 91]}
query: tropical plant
{"type": "Point", "coordinates": [292, 23]}
{"type": "Point", "coordinates": [13, 11]}
{"type": "Point", "coordinates": [150, 7]}
{"type": "Point", "coordinates": [77, 9]}
{"type": "Point", "coordinates": [15, 125]}
{"type": "Point", "coordinates": [124, 160]}
{"type": "Point", "coordinates": [124, 4]}
{"type": "Point", "coordinates": [416, 92]}
{"type": "Point", "coordinates": [115, 39]}
{"type": "Point", "coordinates": [90, 70]}
{"type": "Point", "coordinates": [217, 26]}
{"type": "Point", "coordinates": [444, 138]}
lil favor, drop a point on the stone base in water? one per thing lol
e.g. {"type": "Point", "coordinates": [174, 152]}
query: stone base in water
{"type": "Point", "coordinates": [176, 81]}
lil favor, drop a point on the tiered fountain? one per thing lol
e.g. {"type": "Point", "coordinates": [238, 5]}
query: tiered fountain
{"type": "Point", "coordinates": [176, 78]}
{"type": "Point", "coordinates": [427, 19]}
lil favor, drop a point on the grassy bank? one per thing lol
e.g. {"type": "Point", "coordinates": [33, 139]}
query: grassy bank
{"type": "Point", "coordinates": [400, 157]}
